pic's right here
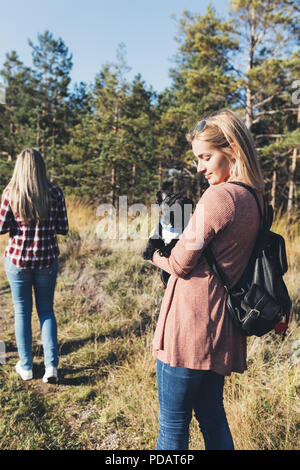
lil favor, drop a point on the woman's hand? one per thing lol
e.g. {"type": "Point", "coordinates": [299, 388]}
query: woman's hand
{"type": "Point", "coordinates": [152, 245]}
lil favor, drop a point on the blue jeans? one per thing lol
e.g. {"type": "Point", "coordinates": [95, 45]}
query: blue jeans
{"type": "Point", "coordinates": [43, 282]}
{"type": "Point", "coordinates": [180, 391]}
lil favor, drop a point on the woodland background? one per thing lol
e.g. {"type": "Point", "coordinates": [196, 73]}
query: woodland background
{"type": "Point", "coordinates": [114, 137]}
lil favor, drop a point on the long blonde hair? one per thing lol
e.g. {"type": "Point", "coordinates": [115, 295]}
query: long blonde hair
{"type": "Point", "coordinates": [226, 132]}
{"type": "Point", "coordinates": [28, 187]}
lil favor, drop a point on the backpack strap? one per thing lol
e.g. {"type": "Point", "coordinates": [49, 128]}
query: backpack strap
{"type": "Point", "coordinates": [244, 185]}
{"type": "Point", "coordinates": [210, 257]}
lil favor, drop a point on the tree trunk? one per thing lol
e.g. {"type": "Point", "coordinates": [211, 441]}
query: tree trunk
{"type": "Point", "coordinates": [273, 190]}
{"type": "Point", "coordinates": [132, 183]}
{"type": "Point", "coordinates": [274, 181]}
{"type": "Point", "coordinates": [112, 185]}
{"type": "Point", "coordinates": [159, 173]}
{"type": "Point", "coordinates": [291, 182]}
{"type": "Point", "coordinates": [249, 105]}
{"type": "Point", "coordinates": [37, 139]}
{"type": "Point", "coordinates": [249, 116]}
{"type": "Point", "coordinates": [54, 131]}
{"type": "Point", "coordinates": [44, 112]}
{"type": "Point", "coordinates": [12, 151]}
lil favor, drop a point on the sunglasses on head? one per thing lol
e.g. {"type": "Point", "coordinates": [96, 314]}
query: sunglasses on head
{"type": "Point", "coordinates": [200, 126]}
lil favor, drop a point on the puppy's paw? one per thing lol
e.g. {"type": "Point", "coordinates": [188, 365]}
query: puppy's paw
{"type": "Point", "coordinates": [166, 250]}
{"type": "Point", "coordinates": [152, 245]}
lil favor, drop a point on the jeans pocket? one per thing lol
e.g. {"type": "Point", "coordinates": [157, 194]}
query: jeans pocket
{"type": "Point", "coordinates": [11, 268]}
{"type": "Point", "coordinates": [50, 270]}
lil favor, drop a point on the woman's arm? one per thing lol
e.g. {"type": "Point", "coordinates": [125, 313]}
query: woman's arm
{"type": "Point", "coordinates": [62, 224]}
{"type": "Point", "coordinates": [213, 213]}
{"type": "Point", "coordinates": [6, 215]}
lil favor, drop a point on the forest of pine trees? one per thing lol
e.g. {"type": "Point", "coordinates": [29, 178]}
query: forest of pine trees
{"type": "Point", "coordinates": [117, 137]}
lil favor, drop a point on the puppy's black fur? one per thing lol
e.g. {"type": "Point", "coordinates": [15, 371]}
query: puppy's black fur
{"type": "Point", "coordinates": [168, 205]}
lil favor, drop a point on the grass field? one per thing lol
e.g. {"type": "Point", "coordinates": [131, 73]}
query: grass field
{"type": "Point", "coordinates": [107, 302]}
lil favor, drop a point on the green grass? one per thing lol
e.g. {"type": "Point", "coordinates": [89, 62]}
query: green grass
{"type": "Point", "coordinates": [29, 422]}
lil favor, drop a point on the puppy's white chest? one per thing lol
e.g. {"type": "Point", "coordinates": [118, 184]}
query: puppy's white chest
{"type": "Point", "coordinates": [168, 235]}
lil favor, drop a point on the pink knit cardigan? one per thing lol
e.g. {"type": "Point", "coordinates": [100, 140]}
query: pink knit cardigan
{"type": "Point", "coordinates": [193, 329]}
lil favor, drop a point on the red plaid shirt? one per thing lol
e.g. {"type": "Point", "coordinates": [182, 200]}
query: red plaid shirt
{"type": "Point", "coordinates": [34, 245]}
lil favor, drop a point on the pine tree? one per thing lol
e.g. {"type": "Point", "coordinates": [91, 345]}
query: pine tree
{"type": "Point", "coordinates": [96, 150]}
{"type": "Point", "coordinates": [204, 80]}
{"type": "Point", "coordinates": [267, 31]}
{"type": "Point", "coordinates": [110, 96]}
{"type": "Point", "coordinates": [53, 65]}
{"type": "Point", "coordinates": [138, 140]}
{"type": "Point", "coordinates": [18, 113]}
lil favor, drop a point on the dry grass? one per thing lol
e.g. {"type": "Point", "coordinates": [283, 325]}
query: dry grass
{"type": "Point", "coordinates": [107, 303]}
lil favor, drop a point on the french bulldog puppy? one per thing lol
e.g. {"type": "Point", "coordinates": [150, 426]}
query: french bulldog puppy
{"type": "Point", "coordinates": [176, 210]}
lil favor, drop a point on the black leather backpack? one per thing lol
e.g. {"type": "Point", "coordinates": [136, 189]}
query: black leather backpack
{"type": "Point", "coordinates": [260, 298]}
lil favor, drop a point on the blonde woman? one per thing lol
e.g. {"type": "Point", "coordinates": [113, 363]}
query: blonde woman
{"type": "Point", "coordinates": [33, 211]}
{"type": "Point", "coordinates": [195, 343]}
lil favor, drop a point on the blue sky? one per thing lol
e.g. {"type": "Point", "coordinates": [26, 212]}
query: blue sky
{"type": "Point", "coordinates": [92, 30]}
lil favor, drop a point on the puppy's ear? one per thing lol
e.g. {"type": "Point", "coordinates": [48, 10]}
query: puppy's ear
{"type": "Point", "coordinates": [160, 196]}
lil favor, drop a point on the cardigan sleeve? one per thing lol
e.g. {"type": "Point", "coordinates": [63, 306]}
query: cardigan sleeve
{"type": "Point", "coordinates": [214, 211]}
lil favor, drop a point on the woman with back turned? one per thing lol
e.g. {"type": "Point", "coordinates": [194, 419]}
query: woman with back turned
{"type": "Point", "coordinates": [195, 343]}
{"type": "Point", "coordinates": [33, 211]}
